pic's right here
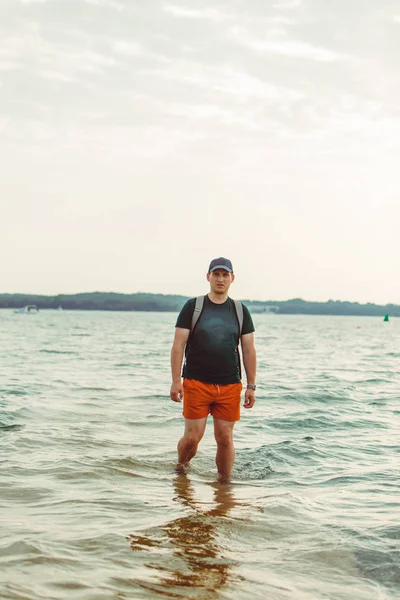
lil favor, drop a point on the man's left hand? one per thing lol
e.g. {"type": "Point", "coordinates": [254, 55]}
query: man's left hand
{"type": "Point", "coordinates": [249, 398]}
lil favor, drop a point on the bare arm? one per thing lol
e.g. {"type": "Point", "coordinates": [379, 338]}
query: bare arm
{"type": "Point", "coordinates": [250, 366]}
{"type": "Point", "coordinates": [177, 351]}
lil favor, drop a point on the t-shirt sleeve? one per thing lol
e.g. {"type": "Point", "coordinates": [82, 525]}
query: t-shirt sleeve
{"type": "Point", "coordinates": [248, 326]}
{"type": "Point", "coordinates": [184, 319]}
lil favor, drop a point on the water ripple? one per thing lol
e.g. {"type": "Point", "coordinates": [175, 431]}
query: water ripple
{"type": "Point", "coordinates": [92, 507]}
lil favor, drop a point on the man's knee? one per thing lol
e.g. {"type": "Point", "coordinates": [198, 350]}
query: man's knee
{"type": "Point", "coordinates": [192, 440]}
{"type": "Point", "coordinates": [224, 439]}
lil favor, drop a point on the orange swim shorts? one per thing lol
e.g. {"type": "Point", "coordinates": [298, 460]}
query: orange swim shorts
{"type": "Point", "coordinates": [201, 399]}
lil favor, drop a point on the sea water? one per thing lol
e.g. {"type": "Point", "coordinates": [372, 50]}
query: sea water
{"type": "Point", "coordinates": [90, 506]}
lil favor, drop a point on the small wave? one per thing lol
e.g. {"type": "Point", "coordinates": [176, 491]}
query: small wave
{"type": "Point", "coordinates": [251, 471]}
{"type": "Point", "coordinates": [142, 467]}
{"type": "Point", "coordinates": [342, 479]}
{"type": "Point", "coordinates": [88, 388]}
{"type": "Point", "coordinates": [15, 427]}
{"type": "Point", "coordinates": [316, 423]}
{"type": "Point", "coordinates": [70, 585]}
{"type": "Point", "coordinates": [374, 380]}
{"type": "Point", "coordinates": [322, 398]}
{"type": "Point", "coordinates": [46, 351]}
{"type": "Point", "coordinates": [49, 560]}
{"type": "Point", "coordinates": [74, 475]}
{"type": "Point", "coordinates": [20, 548]}
{"type": "Point", "coordinates": [254, 463]}
{"type": "Point", "coordinates": [380, 566]}
{"type": "Point", "coordinates": [14, 391]}
{"type": "Point", "coordinates": [391, 532]}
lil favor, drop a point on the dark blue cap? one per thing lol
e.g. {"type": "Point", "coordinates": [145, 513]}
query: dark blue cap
{"type": "Point", "coordinates": [220, 263]}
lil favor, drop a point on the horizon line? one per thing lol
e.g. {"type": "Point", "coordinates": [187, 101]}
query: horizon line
{"type": "Point", "coordinates": [189, 296]}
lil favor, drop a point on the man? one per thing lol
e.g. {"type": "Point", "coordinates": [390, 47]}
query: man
{"type": "Point", "coordinates": [211, 372]}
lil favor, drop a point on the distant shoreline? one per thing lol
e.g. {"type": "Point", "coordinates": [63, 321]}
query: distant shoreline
{"type": "Point", "coordinates": [142, 302]}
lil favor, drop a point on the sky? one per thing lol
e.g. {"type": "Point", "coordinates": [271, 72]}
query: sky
{"type": "Point", "coordinates": [139, 139]}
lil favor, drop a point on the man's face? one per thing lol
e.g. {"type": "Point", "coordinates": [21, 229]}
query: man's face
{"type": "Point", "coordinates": [220, 281]}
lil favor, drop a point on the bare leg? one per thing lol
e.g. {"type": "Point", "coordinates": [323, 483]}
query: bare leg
{"type": "Point", "coordinates": [223, 432]}
{"type": "Point", "coordinates": [187, 445]}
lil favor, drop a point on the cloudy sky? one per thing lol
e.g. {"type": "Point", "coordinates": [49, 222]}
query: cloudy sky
{"type": "Point", "coordinates": [141, 138]}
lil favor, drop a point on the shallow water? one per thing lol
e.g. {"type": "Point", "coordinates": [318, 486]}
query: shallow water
{"type": "Point", "coordinates": [90, 507]}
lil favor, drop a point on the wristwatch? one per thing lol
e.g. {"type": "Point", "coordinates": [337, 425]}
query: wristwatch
{"type": "Point", "coordinates": [251, 386]}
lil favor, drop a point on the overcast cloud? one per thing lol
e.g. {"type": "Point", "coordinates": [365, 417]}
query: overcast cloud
{"type": "Point", "coordinates": [141, 138]}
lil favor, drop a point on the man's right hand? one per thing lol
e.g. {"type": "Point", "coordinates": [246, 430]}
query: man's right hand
{"type": "Point", "coordinates": [176, 393]}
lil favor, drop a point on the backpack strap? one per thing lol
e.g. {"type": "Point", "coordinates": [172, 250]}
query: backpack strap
{"type": "Point", "coordinates": [198, 307]}
{"type": "Point", "coordinates": [239, 313]}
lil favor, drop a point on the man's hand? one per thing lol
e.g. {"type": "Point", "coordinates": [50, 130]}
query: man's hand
{"type": "Point", "coordinates": [176, 393]}
{"type": "Point", "coordinates": [250, 365]}
{"type": "Point", "coordinates": [249, 398]}
{"type": "Point", "coordinates": [177, 351]}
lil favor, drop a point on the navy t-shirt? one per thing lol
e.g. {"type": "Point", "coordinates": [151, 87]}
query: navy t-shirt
{"type": "Point", "coordinates": [212, 350]}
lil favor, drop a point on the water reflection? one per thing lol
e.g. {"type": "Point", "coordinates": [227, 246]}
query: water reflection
{"type": "Point", "coordinates": [194, 563]}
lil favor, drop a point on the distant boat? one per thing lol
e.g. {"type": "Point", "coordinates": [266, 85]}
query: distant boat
{"type": "Point", "coordinates": [60, 308]}
{"type": "Point", "coordinates": [386, 319]}
{"type": "Point", "coordinates": [29, 309]}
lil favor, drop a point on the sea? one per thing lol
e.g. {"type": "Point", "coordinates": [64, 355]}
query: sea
{"type": "Point", "coordinates": [91, 507]}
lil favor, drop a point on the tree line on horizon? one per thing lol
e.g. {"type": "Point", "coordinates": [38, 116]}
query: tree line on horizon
{"type": "Point", "coordinates": [111, 301]}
